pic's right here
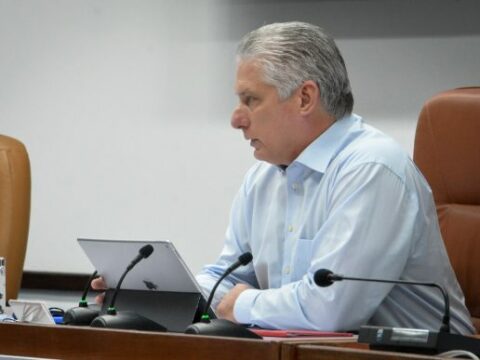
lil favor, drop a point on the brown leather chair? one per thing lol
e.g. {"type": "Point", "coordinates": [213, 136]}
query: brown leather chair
{"type": "Point", "coordinates": [14, 210]}
{"type": "Point", "coordinates": [447, 151]}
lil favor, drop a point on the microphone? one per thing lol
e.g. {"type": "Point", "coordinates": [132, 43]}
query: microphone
{"type": "Point", "coordinates": [143, 253]}
{"type": "Point", "coordinates": [403, 339]}
{"type": "Point", "coordinates": [243, 260]}
{"type": "Point", "coordinates": [324, 278]}
{"type": "Point", "coordinates": [83, 314]}
{"type": "Point", "coordinates": [127, 319]}
{"type": "Point", "coordinates": [222, 327]}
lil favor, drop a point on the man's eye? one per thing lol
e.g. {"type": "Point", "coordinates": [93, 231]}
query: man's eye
{"type": "Point", "coordinates": [248, 100]}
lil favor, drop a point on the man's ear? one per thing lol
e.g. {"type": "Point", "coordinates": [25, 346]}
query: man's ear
{"type": "Point", "coordinates": [309, 97]}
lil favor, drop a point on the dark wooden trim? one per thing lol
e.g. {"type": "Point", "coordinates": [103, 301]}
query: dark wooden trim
{"type": "Point", "coordinates": [73, 342]}
{"type": "Point", "coordinates": [54, 281]}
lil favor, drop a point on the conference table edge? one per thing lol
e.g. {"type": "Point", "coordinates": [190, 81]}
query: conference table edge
{"type": "Point", "coordinates": [75, 342]}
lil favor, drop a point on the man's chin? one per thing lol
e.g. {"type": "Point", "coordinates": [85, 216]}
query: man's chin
{"type": "Point", "coordinates": [258, 155]}
{"type": "Point", "coordinates": [263, 157]}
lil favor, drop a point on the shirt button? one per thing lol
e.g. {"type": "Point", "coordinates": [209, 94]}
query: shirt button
{"type": "Point", "coordinates": [295, 186]}
{"type": "Point", "coordinates": [290, 228]}
{"type": "Point", "coordinates": [287, 270]}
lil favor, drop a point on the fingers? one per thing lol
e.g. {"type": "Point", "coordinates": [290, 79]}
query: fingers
{"type": "Point", "coordinates": [100, 298]}
{"type": "Point", "coordinates": [98, 284]}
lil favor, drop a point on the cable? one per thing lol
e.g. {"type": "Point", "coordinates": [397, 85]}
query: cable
{"type": "Point", "coordinates": [8, 319]}
{"type": "Point", "coordinates": [459, 353]}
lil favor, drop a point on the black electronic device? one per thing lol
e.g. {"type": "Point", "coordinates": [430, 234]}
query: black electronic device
{"type": "Point", "coordinates": [222, 327]}
{"type": "Point", "coordinates": [130, 320]}
{"type": "Point", "coordinates": [405, 339]}
{"type": "Point", "coordinates": [127, 319]}
{"type": "Point", "coordinates": [416, 340]}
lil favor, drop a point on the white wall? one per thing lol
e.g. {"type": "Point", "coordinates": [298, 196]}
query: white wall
{"type": "Point", "coordinates": [124, 105]}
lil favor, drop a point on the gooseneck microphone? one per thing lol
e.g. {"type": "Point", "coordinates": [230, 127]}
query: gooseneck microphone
{"type": "Point", "coordinates": [243, 260]}
{"type": "Point", "coordinates": [127, 319]}
{"type": "Point", "coordinates": [143, 253]}
{"type": "Point", "coordinates": [406, 340]}
{"type": "Point", "coordinates": [325, 277]}
{"type": "Point", "coordinates": [83, 314]}
{"type": "Point", "coordinates": [222, 327]}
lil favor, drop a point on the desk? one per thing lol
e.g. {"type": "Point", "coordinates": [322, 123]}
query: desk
{"type": "Point", "coordinates": [316, 352]}
{"type": "Point", "coordinates": [326, 349]}
{"type": "Point", "coordinates": [73, 342]}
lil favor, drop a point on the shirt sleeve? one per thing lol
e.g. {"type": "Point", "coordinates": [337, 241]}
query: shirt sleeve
{"type": "Point", "coordinates": [368, 232]}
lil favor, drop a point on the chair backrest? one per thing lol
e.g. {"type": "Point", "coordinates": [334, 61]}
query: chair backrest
{"type": "Point", "coordinates": [447, 151]}
{"type": "Point", "coordinates": [14, 210]}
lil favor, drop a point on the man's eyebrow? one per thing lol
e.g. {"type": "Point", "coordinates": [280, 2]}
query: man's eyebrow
{"type": "Point", "coordinates": [243, 92]}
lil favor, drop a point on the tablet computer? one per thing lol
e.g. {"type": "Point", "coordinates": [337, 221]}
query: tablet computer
{"type": "Point", "coordinates": [163, 270]}
{"type": "Point", "coordinates": [160, 287]}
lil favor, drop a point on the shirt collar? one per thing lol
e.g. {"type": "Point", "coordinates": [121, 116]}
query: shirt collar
{"type": "Point", "coordinates": [323, 149]}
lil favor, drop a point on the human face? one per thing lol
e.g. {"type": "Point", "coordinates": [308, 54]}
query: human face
{"type": "Point", "coordinates": [266, 121]}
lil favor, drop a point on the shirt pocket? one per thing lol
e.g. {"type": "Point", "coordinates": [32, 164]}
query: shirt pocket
{"type": "Point", "coordinates": [302, 258]}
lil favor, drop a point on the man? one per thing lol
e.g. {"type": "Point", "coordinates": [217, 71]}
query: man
{"type": "Point", "coordinates": [328, 192]}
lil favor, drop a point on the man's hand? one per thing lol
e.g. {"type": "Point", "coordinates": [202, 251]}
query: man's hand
{"type": "Point", "coordinates": [225, 307]}
{"type": "Point", "coordinates": [99, 284]}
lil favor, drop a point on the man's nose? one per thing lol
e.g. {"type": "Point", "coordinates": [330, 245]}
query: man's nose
{"type": "Point", "coordinates": [239, 119]}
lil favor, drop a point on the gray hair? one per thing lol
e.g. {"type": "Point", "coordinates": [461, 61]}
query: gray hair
{"type": "Point", "coordinates": [293, 52]}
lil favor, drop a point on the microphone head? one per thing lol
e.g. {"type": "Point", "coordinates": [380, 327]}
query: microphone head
{"type": "Point", "coordinates": [146, 251]}
{"type": "Point", "coordinates": [322, 277]}
{"type": "Point", "coordinates": [245, 258]}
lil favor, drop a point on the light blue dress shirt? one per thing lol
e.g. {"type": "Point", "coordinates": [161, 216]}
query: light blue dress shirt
{"type": "Point", "coordinates": [352, 202]}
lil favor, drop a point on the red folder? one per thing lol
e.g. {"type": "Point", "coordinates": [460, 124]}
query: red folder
{"type": "Point", "coordinates": [298, 333]}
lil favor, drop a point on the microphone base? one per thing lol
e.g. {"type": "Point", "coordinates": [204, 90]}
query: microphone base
{"type": "Point", "coordinates": [416, 340]}
{"type": "Point", "coordinates": [221, 327]}
{"type": "Point", "coordinates": [81, 316]}
{"type": "Point", "coordinates": [127, 320]}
